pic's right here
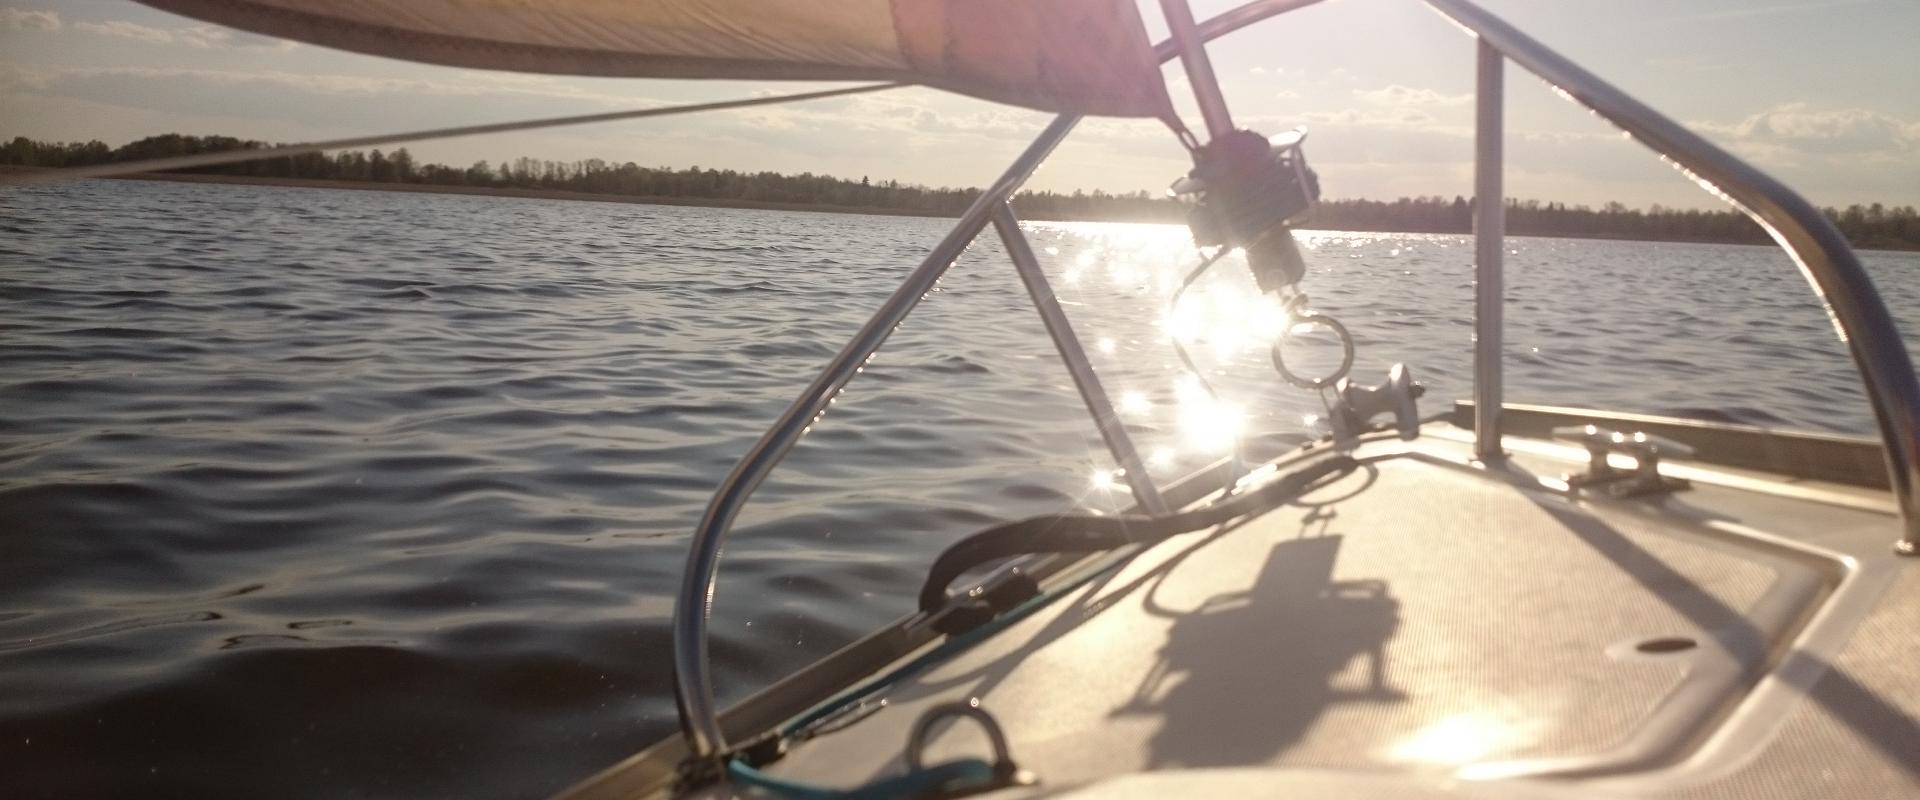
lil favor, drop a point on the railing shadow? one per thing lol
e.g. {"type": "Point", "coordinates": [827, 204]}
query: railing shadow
{"type": "Point", "coordinates": [1875, 720]}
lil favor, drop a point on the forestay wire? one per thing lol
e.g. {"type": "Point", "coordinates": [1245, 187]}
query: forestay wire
{"type": "Point", "coordinates": [237, 156]}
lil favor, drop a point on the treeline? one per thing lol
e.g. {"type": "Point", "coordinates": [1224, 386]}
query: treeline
{"type": "Point", "coordinates": [1871, 226]}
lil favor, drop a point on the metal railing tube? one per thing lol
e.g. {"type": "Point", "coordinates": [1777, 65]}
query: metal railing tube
{"type": "Point", "coordinates": [1489, 242]}
{"type": "Point", "coordinates": [692, 675]}
{"type": "Point", "coordinates": [1068, 346]}
{"type": "Point", "coordinates": [692, 672]}
{"type": "Point", "coordinates": [1824, 256]}
{"type": "Point", "coordinates": [1232, 20]}
{"type": "Point", "coordinates": [1193, 56]}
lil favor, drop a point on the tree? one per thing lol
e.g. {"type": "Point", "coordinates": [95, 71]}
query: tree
{"type": "Point", "coordinates": [1871, 225]}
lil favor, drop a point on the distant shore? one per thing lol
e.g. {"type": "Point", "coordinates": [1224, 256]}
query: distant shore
{"type": "Point", "coordinates": [701, 202]}
{"type": "Point", "coordinates": [494, 191]}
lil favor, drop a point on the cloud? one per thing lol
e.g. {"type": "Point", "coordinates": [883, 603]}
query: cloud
{"type": "Point", "coordinates": [913, 115]}
{"type": "Point", "coordinates": [1849, 130]}
{"type": "Point", "coordinates": [1824, 6]}
{"type": "Point", "coordinates": [467, 84]}
{"type": "Point", "coordinates": [1397, 95]}
{"type": "Point", "coordinates": [199, 37]}
{"type": "Point", "coordinates": [20, 19]}
{"type": "Point", "coordinates": [941, 135]}
{"type": "Point", "coordinates": [897, 113]}
{"type": "Point", "coordinates": [1689, 62]}
{"type": "Point", "coordinates": [1404, 118]}
{"type": "Point", "coordinates": [326, 104]}
{"type": "Point", "coordinates": [129, 30]}
{"type": "Point", "coordinates": [1795, 129]}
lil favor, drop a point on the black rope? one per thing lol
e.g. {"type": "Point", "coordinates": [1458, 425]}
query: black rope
{"type": "Point", "coordinates": [1080, 533]}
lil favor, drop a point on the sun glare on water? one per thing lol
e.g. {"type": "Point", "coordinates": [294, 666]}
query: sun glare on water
{"type": "Point", "coordinates": [1207, 425]}
{"type": "Point", "coordinates": [1129, 274]}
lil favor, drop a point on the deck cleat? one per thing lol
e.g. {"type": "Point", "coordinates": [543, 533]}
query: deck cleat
{"type": "Point", "coordinates": [1646, 450]}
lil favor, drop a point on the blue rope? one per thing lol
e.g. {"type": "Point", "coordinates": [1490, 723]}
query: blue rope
{"type": "Point", "coordinates": [917, 783]}
{"type": "Point", "coordinates": [952, 646]}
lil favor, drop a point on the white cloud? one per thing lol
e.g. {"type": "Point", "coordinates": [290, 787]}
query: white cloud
{"type": "Point", "coordinates": [898, 114]}
{"type": "Point", "coordinates": [200, 37]}
{"type": "Point", "coordinates": [1849, 130]}
{"type": "Point", "coordinates": [1403, 118]}
{"type": "Point", "coordinates": [1795, 135]}
{"type": "Point", "coordinates": [1824, 6]}
{"type": "Point", "coordinates": [1397, 95]}
{"type": "Point", "coordinates": [1689, 62]}
{"type": "Point", "coordinates": [20, 19]}
{"type": "Point", "coordinates": [136, 32]}
{"type": "Point", "coordinates": [467, 84]}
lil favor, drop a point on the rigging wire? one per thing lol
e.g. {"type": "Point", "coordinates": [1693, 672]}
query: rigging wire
{"type": "Point", "coordinates": [282, 151]}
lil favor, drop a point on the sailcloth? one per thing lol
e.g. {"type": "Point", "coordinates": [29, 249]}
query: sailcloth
{"type": "Point", "coordinates": [1083, 56]}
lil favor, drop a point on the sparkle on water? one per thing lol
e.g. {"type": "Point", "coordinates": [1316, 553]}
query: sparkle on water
{"type": "Point", "coordinates": [455, 409]}
{"type": "Point", "coordinates": [1223, 317]}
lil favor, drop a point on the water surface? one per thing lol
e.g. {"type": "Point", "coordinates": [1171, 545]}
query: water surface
{"type": "Point", "coordinates": [319, 493]}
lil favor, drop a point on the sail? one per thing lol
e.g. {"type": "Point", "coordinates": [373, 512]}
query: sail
{"type": "Point", "coordinates": [1083, 56]}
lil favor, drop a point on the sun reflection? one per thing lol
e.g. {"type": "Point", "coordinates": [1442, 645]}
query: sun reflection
{"type": "Point", "coordinates": [1221, 321]}
{"type": "Point", "coordinates": [1230, 321]}
{"type": "Point", "coordinates": [1210, 426]}
{"type": "Point", "coordinates": [1183, 324]}
{"type": "Point", "coordinates": [1463, 738]}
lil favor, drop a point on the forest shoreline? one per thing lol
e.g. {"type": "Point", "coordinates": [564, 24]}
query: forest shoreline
{"type": "Point", "coordinates": [497, 191]}
{"type": "Point", "coordinates": [761, 205]}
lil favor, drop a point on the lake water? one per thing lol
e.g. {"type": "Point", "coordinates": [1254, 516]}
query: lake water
{"type": "Point", "coordinates": [319, 493]}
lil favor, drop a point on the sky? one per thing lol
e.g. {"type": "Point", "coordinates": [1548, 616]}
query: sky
{"type": "Point", "coordinates": [1823, 94]}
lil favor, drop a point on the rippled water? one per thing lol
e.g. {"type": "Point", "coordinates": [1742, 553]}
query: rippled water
{"type": "Point", "coordinates": [317, 493]}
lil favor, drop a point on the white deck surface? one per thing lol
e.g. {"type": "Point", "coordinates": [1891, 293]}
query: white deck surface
{"type": "Point", "coordinates": [1422, 617]}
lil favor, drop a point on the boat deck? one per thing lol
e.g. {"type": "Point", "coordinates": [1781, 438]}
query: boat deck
{"type": "Point", "coordinates": [1431, 619]}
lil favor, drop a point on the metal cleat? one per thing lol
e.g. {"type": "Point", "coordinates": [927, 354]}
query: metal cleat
{"type": "Point", "coordinates": [1643, 479]}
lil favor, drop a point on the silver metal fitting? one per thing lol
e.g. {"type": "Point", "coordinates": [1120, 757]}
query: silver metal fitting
{"type": "Point", "coordinates": [1646, 450]}
{"type": "Point", "coordinates": [1358, 405]}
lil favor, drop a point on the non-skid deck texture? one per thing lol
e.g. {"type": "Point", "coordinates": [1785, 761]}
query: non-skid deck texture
{"type": "Point", "coordinates": [1857, 735]}
{"type": "Point", "coordinates": [1414, 616]}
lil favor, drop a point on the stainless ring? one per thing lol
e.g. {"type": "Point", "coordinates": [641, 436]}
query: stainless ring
{"type": "Point", "coordinates": [1346, 351]}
